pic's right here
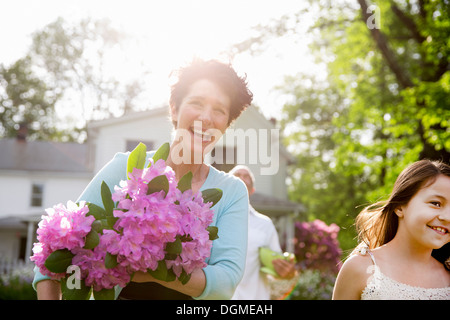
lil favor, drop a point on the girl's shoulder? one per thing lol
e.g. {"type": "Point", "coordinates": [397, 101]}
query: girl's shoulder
{"type": "Point", "coordinates": [358, 263]}
{"type": "Point", "coordinates": [353, 276]}
{"type": "Point", "coordinates": [361, 262]}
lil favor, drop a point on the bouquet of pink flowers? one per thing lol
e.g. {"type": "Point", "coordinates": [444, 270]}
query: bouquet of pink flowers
{"type": "Point", "coordinates": [151, 222]}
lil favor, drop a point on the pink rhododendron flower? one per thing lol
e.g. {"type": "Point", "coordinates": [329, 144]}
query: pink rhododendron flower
{"type": "Point", "coordinates": [94, 272]}
{"type": "Point", "coordinates": [65, 227]}
{"type": "Point", "coordinates": [62, 228]}
{"type": "Point", "coordinates": [144, 225]}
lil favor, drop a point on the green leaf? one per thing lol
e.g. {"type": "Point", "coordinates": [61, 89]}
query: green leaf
{"type": "Point", "coordinates": [110, 260]}
{"type": "Point", "coordinates": [170, 256]}
{"type": "Point", "coordinates": [160, 272]}
{"type": "Point", "coordinates": [174, 247]}
{"type": "Point", "coordinates": [104, 294]}
{"type": "Point", "coordinates": [185, 182]}
{"type": "Point", "coordinates": [184, 277]}
{"type": "Point", "coordinates": [98, 212]}
{"type": "Point", "coordinates": [110, 222]}
{"type": "Point", "coordinates": [212, 195]}
{"type": "Point", "coordinates": [81, 293]}
{"type": "Point", "coordinates": [157, 184]}
{"type": "Point", "coordinates": [136, 159]}
{"type": "Point", "coordinates": [97, 226]}
{"type": "Point", "coordinates": [106, 222]}
{"type": "Point", "coordinates": [92, 240]}
{"type": "Point", "coordinates": [108, 203]}
{"type": "Point", "coordinates": [58, 261]}
{"type": "Point", "coordinates": [161, 153]}
{"type": "Point", "coordinates": [171, 276]}
{"type": "Point", "coordinates": [213, 232]}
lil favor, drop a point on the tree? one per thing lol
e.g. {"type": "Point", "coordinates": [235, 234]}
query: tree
{"type": "Point", "coordinates": [25, 99]}
{"type": "Point", "coordinates": [384, 104]}
{"type": "Point", "coordinates": [65, 69]}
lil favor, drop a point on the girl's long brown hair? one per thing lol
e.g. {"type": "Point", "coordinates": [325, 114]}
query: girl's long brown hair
{"type": "Point", "coordinates": [377, 224]}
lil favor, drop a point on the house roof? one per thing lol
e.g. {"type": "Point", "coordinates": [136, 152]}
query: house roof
{"type": "Point", "coordinates": [43, 156]}
{"type": "Point", "coordinates": [132, 116]}
{"type": "Point", "coordinates": [15, 223]}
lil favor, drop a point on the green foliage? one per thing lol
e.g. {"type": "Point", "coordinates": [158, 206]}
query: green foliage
{"type": "Point", "coordinates": [384, 104]}
{"type": "Point", "coordinates": [185, 182]}
{"type": "Point", "coordinates": [58, 261]}
{"type": "Point", "coordinates": [92, 240]}
{"type": "Point", "coordinates": [16, 285]}
{"type": "Point", "coordinates": [75, 293]}
{"type": "Point", "coordinates": [313, 285]}
{"type": "Point", "coordinates": [64, 68]}
{"type": "Point", "coordinates": [212, 195]}
{"type": "Point", "coordinates": [162, 152]}
{"type": "Point", "coordinates": [136, 159]}
{"type": "Point", "coordinates": [104, 294]}
{"type": "Point", "coordinates": [25, 99]}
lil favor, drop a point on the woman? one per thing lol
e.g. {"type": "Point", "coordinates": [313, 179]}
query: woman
{"type": "Point", "coordinates": [208, 96]}
{"type": "Point", "coordinates": [394, 260]}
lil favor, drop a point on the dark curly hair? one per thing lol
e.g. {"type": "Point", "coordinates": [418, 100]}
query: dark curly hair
{"type": "Point", "coordinates": [221, 74]}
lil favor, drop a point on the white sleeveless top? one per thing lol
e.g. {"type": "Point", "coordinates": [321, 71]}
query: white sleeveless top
{"type": "Point", "coordinates": [381, 287]}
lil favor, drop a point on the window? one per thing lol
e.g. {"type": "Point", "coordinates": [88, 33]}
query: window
{"type": "Point", "coordinates": [131, 144]}
{"type": "Point", "coordinates": [37, 194]}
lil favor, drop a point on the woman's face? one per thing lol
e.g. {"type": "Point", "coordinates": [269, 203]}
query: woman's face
{"type": "Point", "coordinates": [426, 218]}
{"type": "Point", "coordinates": [201, 118]}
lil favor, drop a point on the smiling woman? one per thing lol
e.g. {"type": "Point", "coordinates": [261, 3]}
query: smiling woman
{"type": "Point", "coordinates": [212, 94]}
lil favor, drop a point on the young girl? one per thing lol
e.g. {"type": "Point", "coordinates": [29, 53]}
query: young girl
{"type": "Point", "coordinates": [397, 237]}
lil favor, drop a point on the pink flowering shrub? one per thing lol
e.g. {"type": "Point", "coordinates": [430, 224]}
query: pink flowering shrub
{"type": "Point", "coordinates": [151, 223]}
{"type": "Point", "coordinates": [316, 246]}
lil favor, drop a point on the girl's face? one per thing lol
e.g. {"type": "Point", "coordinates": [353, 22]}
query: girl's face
{"type": "Point", "coordinates": [426, 218]}
{"type": "Point", "coordinates": [202, 116]}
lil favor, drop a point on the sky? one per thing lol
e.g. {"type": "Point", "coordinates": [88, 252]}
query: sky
{"type": "Point", "coordinates": [171, 32]}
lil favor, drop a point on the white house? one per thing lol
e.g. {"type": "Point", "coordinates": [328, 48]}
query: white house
{"type": "Point", "coordinates": [35, 175]}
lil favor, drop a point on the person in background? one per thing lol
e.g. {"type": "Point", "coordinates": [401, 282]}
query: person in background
{"type": "Point", "coordinates": [261, 233]}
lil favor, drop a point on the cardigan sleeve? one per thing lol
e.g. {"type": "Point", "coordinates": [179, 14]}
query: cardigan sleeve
{"type": "Point", "coordinates": [226, 264]}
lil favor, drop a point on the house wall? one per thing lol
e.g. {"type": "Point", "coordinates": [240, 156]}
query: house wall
{"type": "Point", "coordinates": [270, 178]}
{"type": "Point", "coordinates": [112, 138]}
{"type": "Point", "coordinates": [10, 244]}
{"type": "Point", "coordinates": [15, 201]}
{"type": "Point", "coordinates": [15, 190]}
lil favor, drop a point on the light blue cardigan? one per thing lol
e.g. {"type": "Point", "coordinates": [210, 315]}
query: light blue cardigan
{"type": "Point", "coordinates": [227, 261]}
